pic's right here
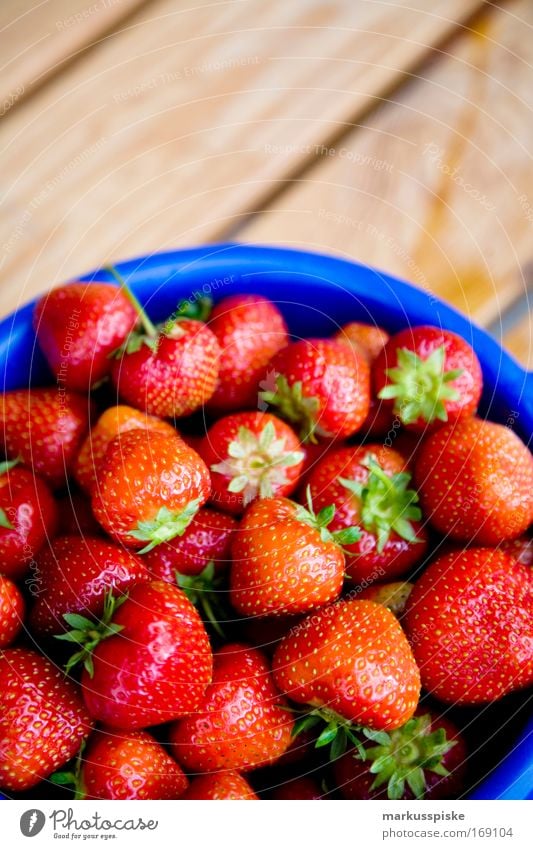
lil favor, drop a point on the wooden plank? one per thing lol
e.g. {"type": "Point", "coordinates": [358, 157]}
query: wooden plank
{"type": "Point", "coordinates": [519, 340]}
{"type": "Point", "coordinates": [38, 37]}
{"type": "Point", "coordinates": [438, 186]}
{"type": "Point", "coordinates": [169, 131]}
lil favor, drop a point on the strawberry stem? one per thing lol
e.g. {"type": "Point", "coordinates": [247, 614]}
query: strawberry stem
{"type": "Point", "coordinates": [72, 778]}
{"type": "Point", "coordinates": [148, 327]}
{"type": "Point", "coordinates": [321, 520]}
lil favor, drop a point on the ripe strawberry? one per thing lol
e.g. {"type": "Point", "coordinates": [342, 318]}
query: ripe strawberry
{"type": "Point", "coordinates": [250, 330]}
{"type": "Point", "coordinates": [168, 372]}
{"type": "Point", "coordinates": [78, 326]}
{"type": "Point", "coordinates": [470, 624]}
{"type": "Point", "coordinates": [367, 339]}
{"type": "Point", "coordinates": [285, 560]}
{"type": "Point", "coordinates": [250, 455]}
{"type": "Point", "coordinates": [369, 487]}
{"type": "Point", "coordinates": [207, 539]}
{"type": "Point", "coordinates": [128, 765]}
{"type": "Point", "coordinates": [475, 480]}
{"type": "Point", "coordinates": [42, 719]}
{"type": "Point", "coordinates": [393, 595]}
{"type": "Point", "coordinates": [45, 428]}
{"type": "Point", "coordinates": [521, 549]}
{"type": "Point", "coordinates": [220, 785]}
{"type": "Point", "coordinates": [428, 375]}
{"type": "Point", "coordinates": [28, 516]}
{"type": "Point", "coordinates": [298, 788]}
{"type": "Point", "coordinates": [12, 611]}
{"type": "Point", "coordinates": [241, 723]}
{"type": "Point", "coordinates": [147, 661]}
{"type": "Point", "coordinates": [425, 759]}
{"type": "Point", "coordinates": [150, 486]}
{"type": "Point", "coordinates": [351, 661]}
{"type": "Point", "coordinates": [321, 386]}
{"type": "Point", "coordinates": [112, 422]}
{"type": "Point", "coordinates": [75, 574]}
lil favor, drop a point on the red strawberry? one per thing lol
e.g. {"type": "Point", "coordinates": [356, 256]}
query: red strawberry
{"type": "Point", "coordinates": [42, 719]}
{"type": "Point", "coordinates": [28, 516]}
{"type": "Point", "coordinates": [170, 372]}
{"type": "Point", "coordinates": [521, 549]}
{"type": "Point", "coordinates": [321, 386]}
{"type": "Point", "coordinates": [425, 759]}
{"type": "Point", "coordinates": [428, 375]}
{"type": "Point", "coordinates": [76, 517]}
{"type": "Point", "coordinates": [220, 785]}
{"type": "Point", "coordinates": [241, 723]}
{"type": "Point", "coordinates": [74, 576]}
{"type": "Point", "coordinates": [150, 486]}
{"type": "Point", "coordinates": [351, 661]}
{"type": "Point", "coordinates": [250, 455]}
{"type": "Point", "coordinates": [369, 486]}
{"type": "Point", "coordinates": [475, 480]}
{"type": "Point", "coordinates": [148, 661]}
{"type": "Point", "coordinates": [78, 326]}
{"type": "Point", "coordinates": [470, 622]}
{"type": "Point", "coordinates": [45, 428]}
{"type": "Point", "coordinates": [298, 788]}
{"type": "Point", "coordinates": [367, 339]}
{"type": "Point", "coordinates": [207, 539]}
{"type": "Point", "coordinates": [12, 610]}
{"type": "Point", "coordinates": [250, 330]}
{"type": "Point", "coordinates": [285, 560]}
{"type": "Point", "coordinates": [112, 422]}
{"type": "Point", "coordinates": [393, 595]}
{"type": "Point", "coordinates": [314, 452]}
{"type": "Point", "coordinates": [128, 765]}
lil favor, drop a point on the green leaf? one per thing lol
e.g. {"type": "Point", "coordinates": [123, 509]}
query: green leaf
{"type": "Point", "coordinates": [4, 521]}
{"type": "Point", "coordinates": [7, 465]}
{"type": "Point", "coordinates": [327, 736]}
{"type": "Point", "coordinates": [75, 620]}
{"type": "Point", "coordinates": [304, 723]}
{"type": "Point", "coordinates": [338, 745]}
{"type": "Point", "coordinates": [416, 781]}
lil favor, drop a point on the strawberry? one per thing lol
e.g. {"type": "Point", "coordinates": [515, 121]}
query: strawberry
{"type": "Point", "coordinates": [112, 422]}
{"type": "Point", "coordinates": [393, 595]}
{"type": "Point", "coordinates": [220, 785]}
{"type": "Point", "coordinates": [475, 480]}
{"type": "Point", "coordinates": [12, 611]}
{"type": "Point", "coordinates": [285, 559]}
{"type": "Point", "coordinates": [351, 661]}
{"type": "Point", "coordinates": [149, 487]}
{"type": "Point", "coordinates": [369, 487]}
{"type": "Point", "coordinates": [250, 455]}
{"type": "Point", "coordinates": [42, 719]}
{"type": "Point", "coordinates": [28, 516]}
{"type": "Point", "coordinates": [206, 539]}
{"type": "Point", "coordinates": [428, 375]}
{"type": "Point", "coordinates": [521, 549]}
{"type": "Point", "coordinates": [167, 371]}
{"type": "Point", "coordinates": [321, 386]}
{"type": "Point", "coordinates": [75, 574]}
{"type": "Point", "coordinates": [78, 326]}
{"type": "Point", "coordinates": [425, 759]}
{"type": "Point", "coordinates": [367, 339]}
{"type": "Point", "coordinates": [147, 661]}
{"type": "Point", "coordinates": [241, 723]}
{"type": "Point", "coordinates": [470, 624]}
{"type": "Point", "coordinates": [45, 428]}
{"type": "Point", "coordinates": [250, 330]}
{"type": "Point", "coordinates": [127, 765]}
{"type": "Point", "coordinates": [298, 788]}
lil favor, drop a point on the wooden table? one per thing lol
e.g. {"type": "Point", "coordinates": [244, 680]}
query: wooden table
{"type": "Point", "coordinates": [397, 132]}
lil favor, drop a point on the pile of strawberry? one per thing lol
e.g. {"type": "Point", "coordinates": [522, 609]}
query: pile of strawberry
{"type": "Point", "coordinates": [239, 566]}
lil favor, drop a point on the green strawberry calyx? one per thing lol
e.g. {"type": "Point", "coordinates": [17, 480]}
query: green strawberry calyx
{"type": "Point", "coordinates": [88, 634]}
{"type": "Point", "coordinates": [321, 520]}
{"type": "Point", "coordinates": [72, 777]}
{"type": "Point", "coordinates": [386, 503]}
{"type": "Point", "coordinates": [165, 525]}
{"type": "Point", "coordinates": [204, 591]}
{"type": "Point", "coordinates": [147, 333]}
{"type": "Point", "coordinates": [420, 387]}
{"type": "Point", "coordinates": [295, 407]}
{"type": "Point", "coordinates": [337, 732]}
{"type": "Point", "coordinates": [257, 463]}
{"type": "Point", "coordinates": [401, 757]}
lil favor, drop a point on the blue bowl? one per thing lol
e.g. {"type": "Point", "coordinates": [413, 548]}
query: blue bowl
{"type": "Point", "coordinates": [316, 294]}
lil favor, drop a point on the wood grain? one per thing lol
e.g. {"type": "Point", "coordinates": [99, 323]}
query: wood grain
{"type": "Point", "coordinates": [169, 131]}
{"type": "Point", "coordinates": [437, 187]}
{"type": "Point", "coordinates": [38, 37]}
